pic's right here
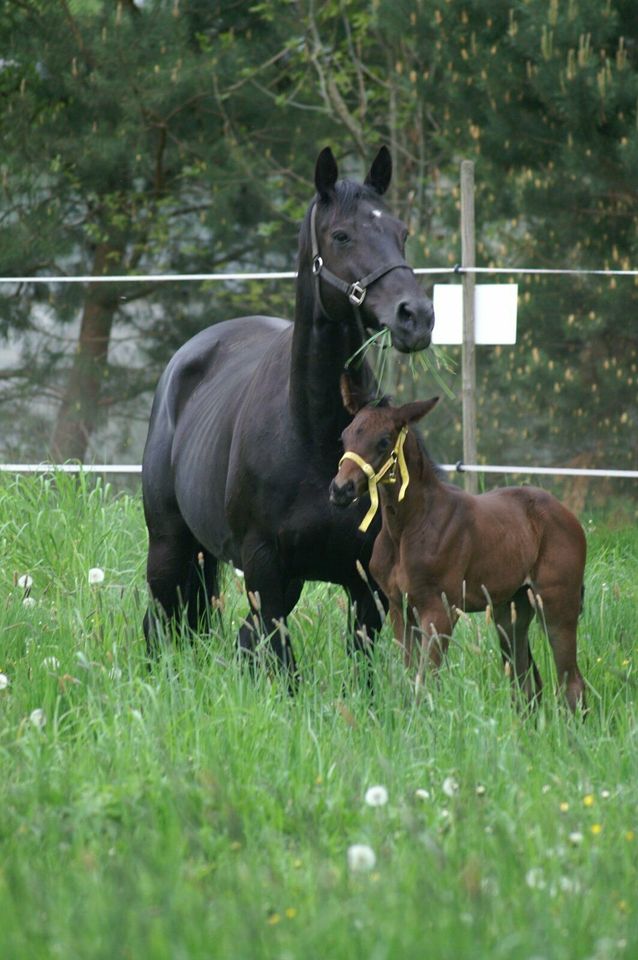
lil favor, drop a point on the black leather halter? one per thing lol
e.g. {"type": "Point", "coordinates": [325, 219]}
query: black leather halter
{"type": "Point", "coordinates": [355, 292]}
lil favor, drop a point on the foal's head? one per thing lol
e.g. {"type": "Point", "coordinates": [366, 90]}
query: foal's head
{"type": "Point", "coordinates": [355, 239]}
{"type": "Point", "coordinates": [374, 438]}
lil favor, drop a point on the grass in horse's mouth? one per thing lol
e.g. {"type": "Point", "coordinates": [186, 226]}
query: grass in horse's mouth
{"type": "Point", "coordinates": [435, 361]}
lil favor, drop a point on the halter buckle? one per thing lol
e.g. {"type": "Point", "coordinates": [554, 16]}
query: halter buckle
{"type": "Point", "coordinates": [356, 294]}
{"type": "Point", "coordinates": [317, 265]}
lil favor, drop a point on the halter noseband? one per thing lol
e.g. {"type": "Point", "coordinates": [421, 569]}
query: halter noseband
{"type": "Point", "coordinates": [355, 292]}
{"type": "Point", "coordinates": [389, 468]}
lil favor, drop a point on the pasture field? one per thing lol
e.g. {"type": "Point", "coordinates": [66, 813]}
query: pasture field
{"type": "Point", "coordinates": [192, 811]}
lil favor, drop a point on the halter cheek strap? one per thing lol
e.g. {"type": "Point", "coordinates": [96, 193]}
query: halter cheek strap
{"type": "Point", "coordinates": [396, 457]}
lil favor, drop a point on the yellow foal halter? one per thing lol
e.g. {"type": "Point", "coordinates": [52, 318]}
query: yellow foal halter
{"type": "Point", "coordinates": [389, 467]}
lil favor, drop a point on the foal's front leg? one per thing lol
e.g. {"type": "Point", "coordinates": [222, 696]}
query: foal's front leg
{"type": "Point", "coordinates": [436, 630]}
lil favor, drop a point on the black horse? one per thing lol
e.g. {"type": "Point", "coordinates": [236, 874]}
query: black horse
{"type": "Point", "coordinates": [245, 429]}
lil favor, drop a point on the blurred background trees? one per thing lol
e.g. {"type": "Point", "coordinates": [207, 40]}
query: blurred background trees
{"type": "Point", "coordinates": [180, 136]}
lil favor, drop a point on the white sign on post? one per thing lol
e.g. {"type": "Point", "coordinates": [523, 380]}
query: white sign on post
{"type": "Point", "coordinates": [494, 313]}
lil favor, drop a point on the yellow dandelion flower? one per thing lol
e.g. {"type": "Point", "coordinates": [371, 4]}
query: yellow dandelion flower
{"type": "Point", "coordinates": [596, 828]}
{"type": "Point", "coordinates": [272, 919]}
{"type": "Point", "coordinates": [588, 800]}
{"type": "Point", "coordinates": [291, 912]}
{"type": "Point", "coordinates": [564, 807]}
{"type": "Point", "coordinates": [630, 835]}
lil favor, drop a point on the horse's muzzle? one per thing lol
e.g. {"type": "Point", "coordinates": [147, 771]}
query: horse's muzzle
{"type": "Point", "coordinates": [342, 496]}
{"type": "Point", "coordinates": [412, 325]}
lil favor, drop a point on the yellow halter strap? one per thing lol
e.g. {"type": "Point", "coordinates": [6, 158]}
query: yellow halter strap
{"type": "Point", "coordinates": [397, 456]}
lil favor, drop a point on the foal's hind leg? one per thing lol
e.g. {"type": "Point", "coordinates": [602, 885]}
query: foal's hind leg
{"type": "Point", "coordinates": [512, 622]}
{"type": "Point", "coordinates": [560, 612]}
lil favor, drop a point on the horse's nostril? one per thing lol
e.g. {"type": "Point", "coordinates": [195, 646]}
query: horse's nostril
{"type": "Point", "coordinates": [405, 312]}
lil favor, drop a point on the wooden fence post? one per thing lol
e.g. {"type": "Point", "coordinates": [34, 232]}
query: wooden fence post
{"type": "Point", "coordinates": [468, 359]}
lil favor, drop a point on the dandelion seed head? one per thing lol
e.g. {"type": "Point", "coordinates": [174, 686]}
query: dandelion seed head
{"type": "Point", "coordinates": [535, 878]}
{"type": "Point", "coordinates": [96, 575]}
{"type": "Point", "coordinates": [4, 681]}
{"type": "Point", "coordinates": [361, 858]}
{"type": "Point", "coordinates": [450, 787]}
{"type": "Point", "coordinates": [576, 838]}
{"type": "Point", "coordinates": [422, 794]}
{"type": "Point", "coordinates": [37, 718]}
{"type": "Point", "coordinates": [28, 602]}
{"type": "Point", "coordinates": [25, 582]}
{"type": "Point", "coordinates": [376, 796]}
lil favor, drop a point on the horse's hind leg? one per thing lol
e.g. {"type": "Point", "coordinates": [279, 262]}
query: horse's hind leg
{"type": "Point", "coordinates": [560, 614]}
{"type": "Point", "coordinates": [172, 552]}
{"type": "Point", "coordinates": [512, 622]}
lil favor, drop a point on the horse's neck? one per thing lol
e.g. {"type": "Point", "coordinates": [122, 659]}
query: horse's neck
{"type": "Point", "coordinates": [422, 490]}
{"type": "Point", "coordinates": [320, 350]}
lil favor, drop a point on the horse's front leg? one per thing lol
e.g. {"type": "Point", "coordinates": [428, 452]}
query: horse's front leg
{"type": "Point", "coordinates": [271, 595]}
{"type": "Point", "coordinates": [435, 632]}
{"type": "Point", "coordinates": [367, 610]}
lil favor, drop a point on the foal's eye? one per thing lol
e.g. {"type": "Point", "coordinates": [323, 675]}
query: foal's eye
{"type": "Point", "coordinates": [341, 237]}
{"type": "Point", "coordinates": [383, 444]}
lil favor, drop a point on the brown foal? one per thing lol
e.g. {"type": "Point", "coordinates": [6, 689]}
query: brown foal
{"type": "Point", "coordinates": [517, 550]}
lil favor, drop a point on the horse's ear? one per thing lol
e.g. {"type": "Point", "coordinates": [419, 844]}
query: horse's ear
{"type": "Point", "coordinates": [411, 412]}
{"type": "Point", "coordinates": [354, 396]}
{"type": "Point", "coordinates": [380, 172]}
{"type": "Point", "coordinates": [326, 173]}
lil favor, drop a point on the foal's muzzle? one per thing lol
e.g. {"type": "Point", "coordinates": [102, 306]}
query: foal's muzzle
{"type": "Point", "coordinates": [342, 496]}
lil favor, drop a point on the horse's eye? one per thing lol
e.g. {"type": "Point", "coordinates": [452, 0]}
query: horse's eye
{"type": "Point", "coordinates": [383, 444]}
{"type": "Point", "coordinates": [340, 236]}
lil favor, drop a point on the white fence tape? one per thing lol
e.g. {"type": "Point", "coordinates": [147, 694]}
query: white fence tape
{"type": "Point", "coordinates": [291, 275]}
{"type": "Point", "coordinates": [136, 468]}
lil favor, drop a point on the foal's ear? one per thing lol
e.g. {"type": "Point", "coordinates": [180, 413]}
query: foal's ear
{"type": "Point", "coordinates": [411, 412]}
{"type": "Point", "coordinates": [326, 173]}
{"type": "Point", "coordinates": [354, 396]}
{"type": "Point", "coordinates": [380, 172]}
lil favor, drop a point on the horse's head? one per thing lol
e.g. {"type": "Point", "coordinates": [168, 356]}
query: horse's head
{"type": "Point", "coordinates": [358, 258]}
{"type": "Point", "coordinates": [373, 445]}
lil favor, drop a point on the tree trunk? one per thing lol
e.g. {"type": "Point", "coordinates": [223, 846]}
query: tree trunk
{"type": "Point", "coordinates": [78, 413]}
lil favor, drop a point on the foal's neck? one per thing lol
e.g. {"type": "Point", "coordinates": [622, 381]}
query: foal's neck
{"type": "Point", "coordinates": [424, 485]}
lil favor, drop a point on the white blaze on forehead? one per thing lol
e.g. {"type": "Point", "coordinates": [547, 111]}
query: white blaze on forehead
{"type": "Point", "coordinates": [376, 213]}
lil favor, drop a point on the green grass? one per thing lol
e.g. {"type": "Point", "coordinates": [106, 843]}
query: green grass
{"type": "Point", "coordinates": [192, 811]}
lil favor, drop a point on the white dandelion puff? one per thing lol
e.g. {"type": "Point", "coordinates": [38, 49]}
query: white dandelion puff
{"type": "Point", "coordinates": [422, 794]}
{"type": "Point", "coordinates": [4, 681]}
{"type": "Point", "coordinates": [96, 575]}
{"type": "Point", "coordinates": [450, 787]}
{"type": "Point", "coordinates": [37, 718]}
{"type": "Point", "coordinates": [25, 582]}
{"type": "Point", "coordinates": [535, 878]}
{"type": "Point", "coordinates": [361, 858]}
{"type": "Point", "coordinates": [376, 796]}
{"type": "Point", "coordinates": [28, 602]}
{"type": "Point", "coordinates": [576, 838]}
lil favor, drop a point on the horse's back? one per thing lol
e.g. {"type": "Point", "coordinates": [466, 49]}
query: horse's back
{"type": "Point", "coordinates": [196, 403]}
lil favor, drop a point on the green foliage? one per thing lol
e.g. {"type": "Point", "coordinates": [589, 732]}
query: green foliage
{"type": "Point", "coordinates": [182, 136]}
{"type": "Point", "coordinates": [191, 809]}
